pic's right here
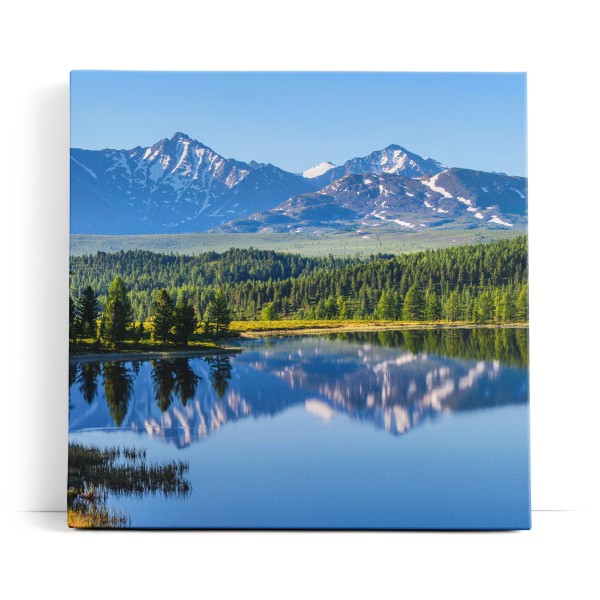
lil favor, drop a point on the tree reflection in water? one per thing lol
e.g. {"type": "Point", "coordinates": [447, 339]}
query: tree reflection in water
{"type": "Point", "coordinates": [118, 386]}
{"type": "Point", "coordinates": [87, 378]}
{"type": "Point", "coordinates": [73, 368]}
{"type": "Point", "coordinates": [351, 376]}
{"type": "Point", "coordinates": [186, 380]}
{"type": "Point", "coordinates": [136, 365]}
{"type": "Point", "coordinates": [72, 377]}
{"type": "Point", "coordinates": [173, 378]}
{"type": "Point", "coordinates": [508, 345]}
{"type": "Point", "coordinates": [164, 381]}
{"type": "Point", "coordinates": [219, 372]}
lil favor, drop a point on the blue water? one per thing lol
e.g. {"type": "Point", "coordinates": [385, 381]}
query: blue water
{"type": "Point", "coordinates": [325, 432]}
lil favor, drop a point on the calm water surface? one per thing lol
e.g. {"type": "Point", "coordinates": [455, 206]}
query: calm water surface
{"type": "Point", "coordinates": [392, 430]}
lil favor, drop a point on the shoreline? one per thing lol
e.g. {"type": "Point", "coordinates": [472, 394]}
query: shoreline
{"type": "Point", "coordinates": [145, 355]}
{"type": "Point", "coordinates": [357, 328]}
{"type": "Point", "coordinates": [292, 331]}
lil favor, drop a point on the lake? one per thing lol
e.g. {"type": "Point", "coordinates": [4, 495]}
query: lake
{"type": "Point", "coordinates": [413, 429]}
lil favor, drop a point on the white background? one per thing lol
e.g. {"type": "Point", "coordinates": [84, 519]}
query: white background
{"type": "Point", "coordinates": [554, 42]}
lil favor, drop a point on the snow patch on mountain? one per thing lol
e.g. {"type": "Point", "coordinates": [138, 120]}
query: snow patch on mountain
{"type": "Point", "coordinates": [385, 191]}
{"type": "Point", "coordinates": [431, 184]}
{"type": "Point", "coordinates": [317, 170]}
{"type": "Point", "coordinates": [403, 223]}
{"type": "Point", "coordinates": [381, 215]}
{"type": "Point", "coordinates": [85, 168]}
{"type": "Point", "coordinates": [497, 220]}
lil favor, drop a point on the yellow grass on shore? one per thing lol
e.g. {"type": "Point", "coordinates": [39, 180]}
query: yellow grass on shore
{"type": "Point", "coordinates": [253, 329]}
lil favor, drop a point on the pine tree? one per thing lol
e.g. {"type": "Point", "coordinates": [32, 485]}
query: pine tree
{"type": "Point", "coordinates": [363, 309]}
{"type": "Point", "coordinates": [342, 308]}
{"type": "Point", "coordinates": [87, 309]}
{"type": "Point", "coordinates": [137, 332]}
{"type": "Point", "coordinates": [331, 308]}
{"type": "Point", "coordinates": [498, 309]}
{"type": "Point", "coordinates": [433, 309]}
{"type": "Point", "coordinates": [508, 310]}
{"type": "Point", "coordinates": [268, 313]}
{"type": "Point", "coordinates": [386, 307]}
{"type": "Point", "coordinates": [452, 306]}
{"type": "Point", "coordinates": [413, 305]}
{"type": "Point", "coordinates": [485, 307]}
{"type": "Point", "coordinates": [72, 320]}
{"type": "Point", "coordinates": [218, 313]}
{"type": "Point", "coordinates": [320, 310]}
{"type": "Point", "coordinates": [523, 305]}
{"type": "Point", "coordinates": [184, 321]}
{"type": "Point", "coordinates": [164, 315]}
{"type": "Point", "coordinates": [399, 305]}
{"type": "Point", "coordinates": [117, 315]}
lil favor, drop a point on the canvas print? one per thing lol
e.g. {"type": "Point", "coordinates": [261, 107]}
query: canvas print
{"type": "Point", "coordinates": [298, 301]}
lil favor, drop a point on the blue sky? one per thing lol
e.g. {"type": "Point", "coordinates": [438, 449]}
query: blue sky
{"type": "Point", "coordinates": [295, 120]}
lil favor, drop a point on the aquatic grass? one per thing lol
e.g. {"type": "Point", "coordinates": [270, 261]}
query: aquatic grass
{"type": "Point", "coordinates": [99, 468]}
{"type": "Point", "coordinates": [83, 518]}
{"type": "Point", "coordinates": [95, 472]}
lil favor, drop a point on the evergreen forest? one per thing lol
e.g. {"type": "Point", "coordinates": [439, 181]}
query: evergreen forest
{"type": "Point", "coordinates": [482, 283]}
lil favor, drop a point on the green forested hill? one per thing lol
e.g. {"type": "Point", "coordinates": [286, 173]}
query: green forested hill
{"type": "Point", "coordinates": [483, 282]}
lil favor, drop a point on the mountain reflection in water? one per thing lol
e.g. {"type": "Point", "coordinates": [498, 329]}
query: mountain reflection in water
{"type": "Point", "coordinates": [393, 380]}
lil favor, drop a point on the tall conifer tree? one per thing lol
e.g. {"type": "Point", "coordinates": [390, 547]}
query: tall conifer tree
{"type": "Point", "coordinates": [433, 310]}
{"type": "Point", "coordinates": [413, 305]}
{"type": "Point", "coordinates": [117, 315]}
{"type": "Point", "coordinates": [218, 313]}
{"type": "Point", "coordinates": [164, 316]}
{"type": "Point", "coordinates": [72, 320]}
{"type": "Point", "coordinates": [87, 309]}
{"type": "Point", "coordinates": [452, 306]}
{"type": "Point", "coordinates": [185, 321]}
{"type": "Point", "coordinates": [523, 304]}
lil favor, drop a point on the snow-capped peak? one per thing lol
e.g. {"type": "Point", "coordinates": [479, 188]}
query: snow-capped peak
{"type": "Point", "coordinates": [178, 136]}
{"type": "Point", "coordinates": [318, 170]}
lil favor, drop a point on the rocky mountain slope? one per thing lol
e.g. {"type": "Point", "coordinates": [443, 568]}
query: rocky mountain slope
{"type": "Point", "coordinates": [179, 185]}
{"type": "Point", "coordinates": [452, 198]}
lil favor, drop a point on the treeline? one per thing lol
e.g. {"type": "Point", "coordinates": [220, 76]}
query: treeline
{"type": "Point", "coordinates": [484, 283]}
{"type": "Point", "coordinates": [145, 271]}
{"type": "Point", "coordinates": [170, 322]}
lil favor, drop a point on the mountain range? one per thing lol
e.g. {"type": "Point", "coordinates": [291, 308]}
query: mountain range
{"type": "Point", "coordinates": [179, 185]}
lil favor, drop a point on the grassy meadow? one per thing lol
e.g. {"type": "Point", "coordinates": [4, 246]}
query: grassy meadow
{"type": "Point", "coordinates": [338, 244]}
